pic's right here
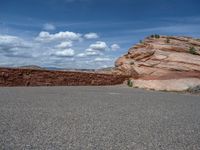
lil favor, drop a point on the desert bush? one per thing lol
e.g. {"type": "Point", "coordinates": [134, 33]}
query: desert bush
{"type": "Point", "coordinates": [157, 36]}
{"type": "Point", "coordinates": [194, 90]}
{"type": "Point", "coordinates": [152, 36]}
{"type": "Point", "coordinates": [130, 83]}
{"type": "Point", "coordinates": [193, 51]}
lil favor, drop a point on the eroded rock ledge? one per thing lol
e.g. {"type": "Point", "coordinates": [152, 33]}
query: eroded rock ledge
{"type": "Point", "coordinates": [36, 77]}
{"type": "Point", "coordinates": [168, 63]}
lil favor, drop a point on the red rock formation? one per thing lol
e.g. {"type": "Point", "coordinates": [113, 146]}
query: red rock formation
{"type": "Point", "coordinates": [163, 63]}
{"type": "Point", "coordinates": [33, 77]}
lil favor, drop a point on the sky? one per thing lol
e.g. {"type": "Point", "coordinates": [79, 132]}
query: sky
{"type": "Point", "coordinates": [87, 34]}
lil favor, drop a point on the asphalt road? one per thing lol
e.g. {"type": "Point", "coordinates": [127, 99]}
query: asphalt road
{"type": "Point", "coordinates": [81, 118]}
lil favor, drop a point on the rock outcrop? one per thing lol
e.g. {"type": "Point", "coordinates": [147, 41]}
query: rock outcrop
{"type": "Point", "coordinates": [168, 63]}
{"type": "Point", "coordinates": [38, 77]}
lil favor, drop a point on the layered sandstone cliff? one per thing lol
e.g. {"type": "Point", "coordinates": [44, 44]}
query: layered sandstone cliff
{"type": "Point", "coordinates": [163, 63]}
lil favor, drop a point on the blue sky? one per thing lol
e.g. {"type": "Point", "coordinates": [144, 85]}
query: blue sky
{"type": "Point", "coordinates": [87, 33]}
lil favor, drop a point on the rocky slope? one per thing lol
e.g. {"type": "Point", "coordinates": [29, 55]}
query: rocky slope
{"type": "Point", "coordinates": [163, 63]}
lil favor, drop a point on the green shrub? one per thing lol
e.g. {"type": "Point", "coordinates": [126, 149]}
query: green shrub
{"type": "Point", "coordinates": [152, 36]}
{"type": "Point", "coordinates": [157, 36]}
{"type": "Point", "coordinates": [193, 51]}
{"type": "Point", "coordinates": [141, 42]}
{"type": "Point", "coordinates": [130, 83]}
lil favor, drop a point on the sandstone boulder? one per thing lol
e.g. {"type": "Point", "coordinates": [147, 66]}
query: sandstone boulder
{"type": "Point", "coordinates": [163, 63]}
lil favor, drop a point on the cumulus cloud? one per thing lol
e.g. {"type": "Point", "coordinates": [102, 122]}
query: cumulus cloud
{"type": "Point", "coordinates": [68, 36]}
{"type": "Point", "coordinates": [64, 53]}
{"type": "Point", "coordinates": [91, 36]}
{"type": "Point", "coordinates": [49, 26]}
{"type": "Point", "coordinates": [13, 46]}
{"type": "Point", "coordinates": [89, 52]}
{"type": "Point", "coordinates": [100, 59]}
{"type": "Point", "coordinates": [95, 49]}
{"type": "Point", "coordinates": [92, 53]}
{"type": "Point", "coordinates": [54, 50]}
{"type": "Point", "coordinates": [64, 45]}
{"type": "Point", "coordinates": [81, 55]}
{"type": "Point", "coordinates": [115, 47]}
{"type": "Point", "coordinates": [99, 46]}
{"type": "Point", "coordinates": [8, 42]}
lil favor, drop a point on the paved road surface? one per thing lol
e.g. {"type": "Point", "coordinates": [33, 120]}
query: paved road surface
{"type": "Point", "coordinates": [99, 118]}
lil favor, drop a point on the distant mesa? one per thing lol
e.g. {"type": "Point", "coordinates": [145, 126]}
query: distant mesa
{"type": "Point", "coordinates": [31, 67]}
{"type": "Point", "coordinates": [55, 68]}
{"type": "Point", "coordinates": [168, 63]}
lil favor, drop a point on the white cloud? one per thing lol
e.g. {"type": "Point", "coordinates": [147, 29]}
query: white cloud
{"type": "Point", "coordinates": [81, 55]}
{"type": "Point", "coordinates": [64, 53]}
{"type": "Point", "coordinates": [8, 42]}
{"type": "Point", "coordinates": [100, 59]}
{"type": "Point", "coordinates": [13, 46]}
{"type": "Point", "coordinates": [91, 36]}
{"type": "Point", "coordinates": [99, 46]}
{"type": "Point", "coordinates": [64, 45]}
{"type": "Point", "coordinates": [47, 37]}
{"type": "Point", "coordinates": [55, 50]}
{"type": "Point", "coordinates": [89, 52]}
{"type": "Point", "coordinates": [93, 53]}
{"type": "Point", "coordinates": [95, 49]}
{"type": "Point", "coordinates": [115, 47]}
{"type": "Point", "coordinates": [49, 26]}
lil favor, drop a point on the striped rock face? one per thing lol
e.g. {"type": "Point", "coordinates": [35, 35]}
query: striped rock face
{"type": "Point", "coordinates": [166, 63]}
